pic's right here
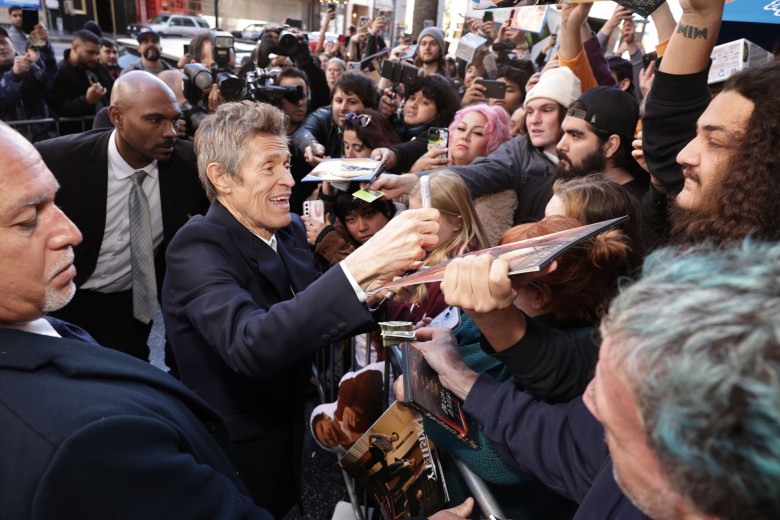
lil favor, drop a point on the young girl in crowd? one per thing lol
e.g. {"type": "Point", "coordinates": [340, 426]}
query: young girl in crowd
{"type": "Point", "coordinates": [460, 232]}
{"type": "Point", "coordinates": [476, 131]}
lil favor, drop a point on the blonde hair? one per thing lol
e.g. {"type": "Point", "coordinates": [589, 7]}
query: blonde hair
{"type": "Point", "coordinates": [450, 195]}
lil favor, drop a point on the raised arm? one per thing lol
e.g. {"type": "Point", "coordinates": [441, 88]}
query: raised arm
{"type": "Point", "coordinates": [570, 52]}
{"type": "Point", "coordinates": [680, 94]}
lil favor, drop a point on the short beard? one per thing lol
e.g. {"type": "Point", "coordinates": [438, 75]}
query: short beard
{"type": "Point", "coordinates": [151, 54]}
{"type": "Point", "coordinates": [593, 163]}
{"type": "Point", "coordinates": [55, 299]}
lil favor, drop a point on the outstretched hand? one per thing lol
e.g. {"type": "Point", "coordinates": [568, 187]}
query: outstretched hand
{"type": "Point", "coordinates": [440, 349]}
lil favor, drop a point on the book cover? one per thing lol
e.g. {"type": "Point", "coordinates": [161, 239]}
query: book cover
{"type": "Point", "coordinates": [524, 256]}
{"type": "Point", "coordinates": [424, 392]}
{"type": "Point", "coordinates": [398, 466]}
{"type": "Point", "coordinates": [343, 170]}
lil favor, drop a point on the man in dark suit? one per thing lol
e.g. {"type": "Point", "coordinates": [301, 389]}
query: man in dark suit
{"type": "Point", "coordinates": [96, 172]}
{"type": "Point", "coordinates": [242, 302]}
{"type": "Point", "coordinates": [88, 432]}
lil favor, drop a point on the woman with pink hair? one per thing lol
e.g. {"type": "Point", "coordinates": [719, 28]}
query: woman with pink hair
{"type": "Point", "coordinates": [476, 131]}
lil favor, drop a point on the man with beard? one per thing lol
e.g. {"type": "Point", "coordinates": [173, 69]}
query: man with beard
{"type": "Point", "coordinates": [129, 189]}
{"type": "Point", "coordinates": [431, 50]}
{"type": "Point", "coordinates": [149, 48]}
{"type": "Point", "coordinates": [714, 160]}
{"type": "Point", "coordinates": [82, 85]}
{"type": "Point", "coordinates": [597, 135]}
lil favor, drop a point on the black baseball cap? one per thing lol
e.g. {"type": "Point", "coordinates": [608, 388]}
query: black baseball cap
{"type": "Point", "coordinates": [3, 32]}
{"type": "Point", "coordinates": [146, 32]}
{"type": "Point", "coordinates": [608, 108]}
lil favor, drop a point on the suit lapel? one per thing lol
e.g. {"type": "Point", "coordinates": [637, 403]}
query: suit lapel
{"type": "Point", "coordinates": [296, 259]}
{"type": "Point", "coordinates": [96, 186]}
{"type": "Point", "coordinates": [269, 264]}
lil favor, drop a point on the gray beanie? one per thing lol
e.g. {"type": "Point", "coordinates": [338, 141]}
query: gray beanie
{"type": "Point", "coordinates": [437, 34]}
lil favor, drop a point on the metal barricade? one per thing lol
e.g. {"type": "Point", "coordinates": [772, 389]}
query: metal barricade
{"type": "Point", "coordinates": [56, 121]}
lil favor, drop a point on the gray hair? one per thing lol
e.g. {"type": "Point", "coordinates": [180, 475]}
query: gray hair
{"type": "Point", "coordinates": [340, 63]}
{"type": "Point", "coordinates": [223, 135]}
{"type": "Point", "coordinates": [697, 340]}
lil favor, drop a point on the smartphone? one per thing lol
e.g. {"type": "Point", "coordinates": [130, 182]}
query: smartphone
{"type": "Point", "coordinates": [488, 16]}
{"type": "Point", "coordinates": [331, 6]}
{"type": "Point", "coordinates": [314, 209]}
{"type": "Point", "coordinates": [298, 24]}
{"type": "Point", "coordinates": [363, 20]}
{"type": "Point", "coordinates": [493, 89]}
{"type": "Point", "coordinates": [438, 138]}
{"type": "Point", "coordinates": [29, 20]}
{"type": "Point", "coordinates": [186, 48]}
{"type": "Point", "coordinates": [409, 53]}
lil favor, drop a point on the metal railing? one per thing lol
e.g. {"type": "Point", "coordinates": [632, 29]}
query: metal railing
{"type": "Point", "coordinates": [56, 121]}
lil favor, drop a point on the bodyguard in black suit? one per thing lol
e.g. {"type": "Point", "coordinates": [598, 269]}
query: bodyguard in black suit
{"type": "Point", "coordinates": [86, 432]}
{"type": "Point", "coordinates": [94, 195]}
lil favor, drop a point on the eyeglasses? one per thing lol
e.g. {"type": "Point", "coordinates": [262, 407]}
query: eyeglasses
{"type": "Point", "coordinates": [361, 120]}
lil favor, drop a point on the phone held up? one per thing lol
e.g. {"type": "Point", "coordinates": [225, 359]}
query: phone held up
{"type": "Point", "coordinates": [314, 209]}
{"type": "Point", "coordinates": [438, 139]}
{"type": "Point", "coordinates": [493, 89]}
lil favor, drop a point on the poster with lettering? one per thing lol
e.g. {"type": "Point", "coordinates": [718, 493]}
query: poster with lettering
{"type": "Point", "coordinates": [424, 392]}
{"type": "Point", "coordinates": [398, 466]}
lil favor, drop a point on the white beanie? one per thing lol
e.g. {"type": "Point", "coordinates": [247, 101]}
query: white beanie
{"type": "Point", "coordinates": [437, 34]}
{"type": "Point", "coordinates": [560, 84]}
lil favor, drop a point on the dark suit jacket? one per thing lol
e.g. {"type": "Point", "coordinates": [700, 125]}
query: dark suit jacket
{"type": "Point", "coordinates": [69, 91]}
{"type": "Point", "coordinates": [240, 337]}
{"type": "Point", "coordinates": [88, 432]}
{"type": "Point", "coordinates": [80, 164]}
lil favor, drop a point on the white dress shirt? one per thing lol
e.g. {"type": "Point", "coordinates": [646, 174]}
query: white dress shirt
{"type": "Point", "coordinates": [39, 326]}
{"type": "Point", "coordinates": [112, 272]}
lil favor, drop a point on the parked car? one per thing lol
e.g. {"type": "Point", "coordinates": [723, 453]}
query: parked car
{"type": "Point", "coordinates": [173, 25]}
{"type": "Point", "coordinates": [251, 32]}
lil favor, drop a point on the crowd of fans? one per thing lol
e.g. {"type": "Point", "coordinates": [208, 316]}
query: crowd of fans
{"type": "Point", "coordinates": [636, 376]}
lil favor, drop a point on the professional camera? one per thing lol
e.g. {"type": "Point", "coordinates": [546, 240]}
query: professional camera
{"type": "Point", "coordinates": [198, 77]}
{"type": "Point", "coordinates": [505, 56]}
{"type": "Point", "coordinates": [288, 41]}
{"type": "Point", "coordinates": [260, 87]}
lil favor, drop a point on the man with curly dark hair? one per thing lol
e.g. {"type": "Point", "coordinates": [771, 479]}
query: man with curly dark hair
{"type": "Point", "coordinates": [714, 159]}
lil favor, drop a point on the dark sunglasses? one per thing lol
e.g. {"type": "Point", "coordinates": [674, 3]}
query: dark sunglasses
{"type": "Point", "coordinates": [361, 120]}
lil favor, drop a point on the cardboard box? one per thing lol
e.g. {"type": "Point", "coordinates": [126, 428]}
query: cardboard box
{"type": "Point", "coordinates": [733, 57]}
